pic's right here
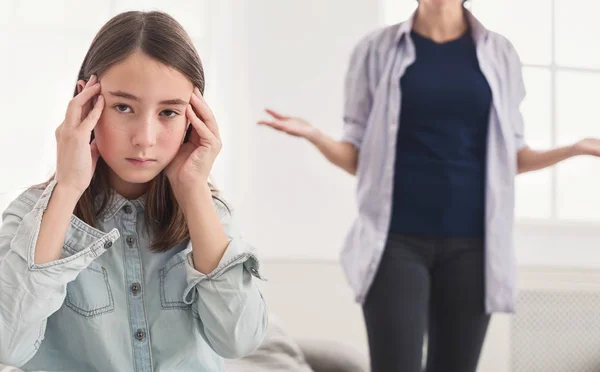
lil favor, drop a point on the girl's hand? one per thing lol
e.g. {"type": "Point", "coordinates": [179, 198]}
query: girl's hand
{"type": "Point", "coordinates": [192, 165]}
{"type": "Point", "coordinates": [76, 157]}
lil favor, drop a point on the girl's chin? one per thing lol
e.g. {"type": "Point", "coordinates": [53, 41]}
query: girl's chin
{"type": "Point", "coordinates": [137, 175]}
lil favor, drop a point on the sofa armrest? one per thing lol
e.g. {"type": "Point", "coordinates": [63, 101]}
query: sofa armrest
{"type": "Point", "coordinates": [332, 356]}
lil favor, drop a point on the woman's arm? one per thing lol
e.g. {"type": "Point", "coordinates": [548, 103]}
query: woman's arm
{"type": "Point", "coordinates": [358, 100]}
{"type": "Point", "coordinates": [530, 160]}
{"type": "Point", "coordinates": [341, 153]}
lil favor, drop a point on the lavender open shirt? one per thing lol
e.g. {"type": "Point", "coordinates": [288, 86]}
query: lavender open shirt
{"type": "Point", "coordinates": [371, 118]}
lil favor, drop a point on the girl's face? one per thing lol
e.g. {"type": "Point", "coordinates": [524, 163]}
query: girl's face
{"type": "Point", "coordinates": [143, 122]}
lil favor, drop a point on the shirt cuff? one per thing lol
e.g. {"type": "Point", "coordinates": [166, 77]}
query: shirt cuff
{"type": "Point", "coordinates": [82, 244]}
{"type": "Point", "coordinates": [353, 133]}
{"type": "Point", "coordinates": [236, 253]}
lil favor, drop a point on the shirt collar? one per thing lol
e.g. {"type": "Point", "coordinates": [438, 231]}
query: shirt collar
{"type": "Point", "coordinates": [116, 202]}
{"type": "Point", "coordinates": [478, 30]}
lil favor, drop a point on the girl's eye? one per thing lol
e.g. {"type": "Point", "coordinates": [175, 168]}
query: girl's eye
{"type": "Point", "coordinates": [123, 109]}
{"type": "Point", "coordinates": [169, 113]}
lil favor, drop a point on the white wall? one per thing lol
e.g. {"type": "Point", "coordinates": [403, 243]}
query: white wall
{"type": "Point", "coordinates": [292, 56]}
{"type": "Point", "coordinates": [291, 203]}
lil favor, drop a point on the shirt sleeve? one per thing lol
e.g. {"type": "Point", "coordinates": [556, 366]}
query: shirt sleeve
{"type": "Point", "coordinates": [358, 97]}
{"type": "Point", "coordinates": [30, 292]}
{"type": "Point", "coordinates": [231, 308]}
{"type": "Point", "coordinates": [517, 94]}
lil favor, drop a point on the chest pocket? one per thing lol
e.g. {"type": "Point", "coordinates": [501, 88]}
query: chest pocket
{"type": "Point", "coordinates": [90, 294]}
{"type": "Point", "coordinates": [173, 281]}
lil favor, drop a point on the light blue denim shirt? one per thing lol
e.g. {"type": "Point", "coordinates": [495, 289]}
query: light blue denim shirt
{"type": "Point", "coordinates": [371, 119]}
{"type": "Point", "coordinates": [111, 304]}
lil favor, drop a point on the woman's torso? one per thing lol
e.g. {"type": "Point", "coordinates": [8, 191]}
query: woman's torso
{"type": "Point", "coordinates": [439, 173]}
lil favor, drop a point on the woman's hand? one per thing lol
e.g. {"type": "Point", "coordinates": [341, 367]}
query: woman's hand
{"type": "Point", "coordinates": [191, 166]}
{"type": "Point", "coordinates": [588, 146]}
{"type": "Point", "coordinates": [293, 126]}
{"type": "Point", "coordinates": [76, 157]}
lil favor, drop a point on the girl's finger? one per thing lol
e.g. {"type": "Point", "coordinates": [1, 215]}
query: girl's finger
{"type": "Point", "coordinates": [76, 105]}
{"type": "Point", "coordinates": [200, 127]}
{"type": "Point", "coordinates": [91, 80]}
{"type": "Point", "coordinates": [92, 119]}
{"type": "Point", "coordinates": [204, 112]}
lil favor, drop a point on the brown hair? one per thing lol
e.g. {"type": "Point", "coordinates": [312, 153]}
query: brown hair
{"type": "Point", "coordinates": [161, 37]}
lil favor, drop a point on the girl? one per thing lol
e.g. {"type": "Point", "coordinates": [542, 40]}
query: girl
{"type": "Point", "coordinates": [127, 259]}
{"type": "Point", "coordinates": [434, 135]}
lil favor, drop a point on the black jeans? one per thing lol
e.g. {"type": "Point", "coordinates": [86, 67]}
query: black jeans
{"type": "Point", "coordinates": [427, 285]}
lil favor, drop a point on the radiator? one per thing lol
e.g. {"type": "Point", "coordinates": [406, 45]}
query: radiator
{"type": "Point", "coordinates": [557, 324]}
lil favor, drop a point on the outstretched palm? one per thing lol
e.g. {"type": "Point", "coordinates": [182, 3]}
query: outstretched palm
{"type": "Point", "coordinates": [293, 126]}
{"type": "Point", "coordinates": [588, 146]}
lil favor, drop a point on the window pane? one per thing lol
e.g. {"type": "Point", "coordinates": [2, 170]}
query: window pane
{"type": "Point", "coordinates": [513, 19]}
{"type": "Point", "coordinates": [577, 33]}
{"type": "Point", "coordinates": [534, 190]}
{"type": "Point", "coordinates": [536, 107]}
{"type": "Point", "coordinates": [395, 11]}
{"type": "Point", "coordinates": [578, 179]}
{"type": "Point", "coordinates": [577, 105]}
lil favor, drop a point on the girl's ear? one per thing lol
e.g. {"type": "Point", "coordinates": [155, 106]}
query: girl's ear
{"type": "Point", "coordinates": [80, 86]}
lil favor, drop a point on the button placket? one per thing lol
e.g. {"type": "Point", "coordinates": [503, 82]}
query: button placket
{"type": "Point", "coordinates": [130, 240]}
{"type": "Point", "coordinates": [140, 335]}
{"type": "Point", "coordinates": [135, 288]}
{"type": "Point", "coordinates": [135, 280]}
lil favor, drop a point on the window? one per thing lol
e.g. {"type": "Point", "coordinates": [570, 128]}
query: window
{"type": "Point", "coordinates": [561, 68]}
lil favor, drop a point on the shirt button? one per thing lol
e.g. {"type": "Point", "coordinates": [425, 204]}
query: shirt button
{"type": "Point", "coordinates": [128, 209]}
{"type": "Point", "coordinates": [130, 241]}
{"type": "Point", "coordinates": [140, 335]}
{"type": "Point", "coordinates": [135, 288]}
{"type": "Point", "coordinates": [107, 245]}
